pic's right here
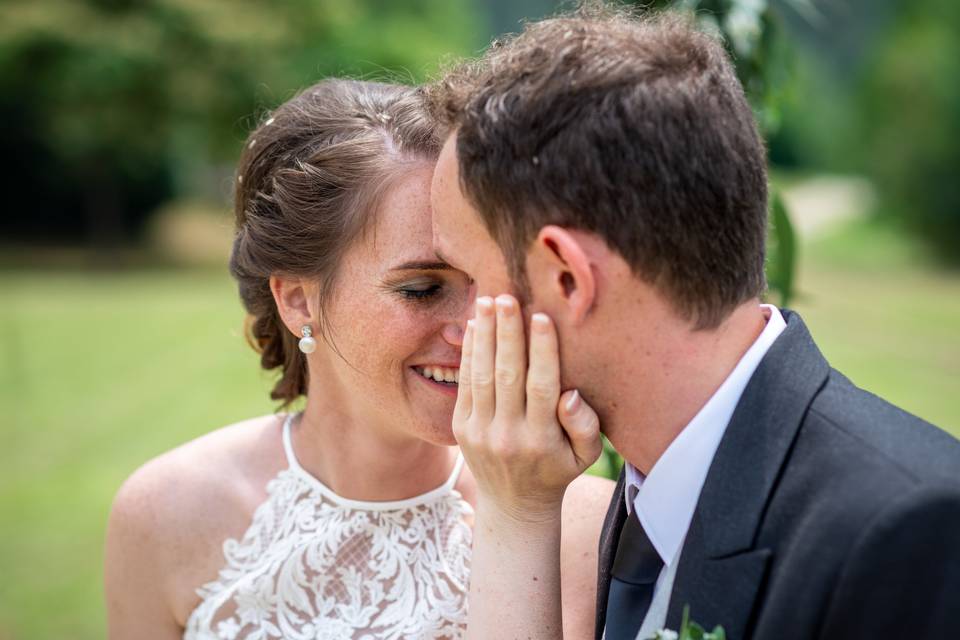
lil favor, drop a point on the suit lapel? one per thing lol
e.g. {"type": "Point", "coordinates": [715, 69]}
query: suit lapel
{"type": "Point", "coordinates": [720, 571]}
{"type": "Point", "coordinates": [609, 537]}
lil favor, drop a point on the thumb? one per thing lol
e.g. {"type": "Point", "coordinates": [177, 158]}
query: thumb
{"type": "Point", "coordinates": [582, 426]}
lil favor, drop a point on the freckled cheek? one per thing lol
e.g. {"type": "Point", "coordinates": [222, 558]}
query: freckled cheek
{"type": "Point", "coordinates": [391, 339]}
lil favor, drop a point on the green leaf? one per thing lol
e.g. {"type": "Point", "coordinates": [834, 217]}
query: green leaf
{"type": "Point", "coordinates": [782, 255]}
{"type": "Point", "coordinates": [692, 631]}
{"type": "Point", "coordinates": [685, 624]}
{"type": "Point", "coordinates": [613, 460]}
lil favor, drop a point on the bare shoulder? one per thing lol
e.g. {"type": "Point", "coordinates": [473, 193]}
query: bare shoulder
{"type": "Point", "coordinates": [170, 517]}
{"type": "Point", "coordinates": [584, 507]}
{"type": "Point", "coordinates": [586, 501]}
{"type": "Point", "coordinates": [215, 466]}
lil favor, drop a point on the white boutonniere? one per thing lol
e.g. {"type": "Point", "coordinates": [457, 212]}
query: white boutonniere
{"type": "Point", "coordinates": [690, 631]}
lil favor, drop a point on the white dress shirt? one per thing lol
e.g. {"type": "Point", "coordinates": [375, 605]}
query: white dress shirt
{"type": "Point", "coordinates": [666, 498]}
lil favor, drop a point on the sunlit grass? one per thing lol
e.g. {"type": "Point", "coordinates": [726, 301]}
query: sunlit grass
{"type": "Point", "coordinates": [98, 373]}
{"type": "Point", "coordinates": [886, 317]}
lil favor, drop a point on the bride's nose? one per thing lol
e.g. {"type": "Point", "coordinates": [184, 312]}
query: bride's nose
{"type": "Point", "coordinates": [455, 324]}
{"type": "Point", "coordinates": [452, 333]}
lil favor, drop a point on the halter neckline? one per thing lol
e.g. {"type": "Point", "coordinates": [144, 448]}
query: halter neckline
{"type": "Point", "coordinates": [369, 505]}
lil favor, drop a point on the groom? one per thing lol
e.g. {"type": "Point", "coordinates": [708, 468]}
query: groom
{"type": "Point", "coordinates": [606, 171]}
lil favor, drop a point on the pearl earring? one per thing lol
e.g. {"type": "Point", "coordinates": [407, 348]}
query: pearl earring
{"type": "Point", "coordinates": [308, 344]}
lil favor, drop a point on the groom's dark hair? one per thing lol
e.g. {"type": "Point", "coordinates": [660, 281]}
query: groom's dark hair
{"type": "Point", "coordinates": [634, 128]}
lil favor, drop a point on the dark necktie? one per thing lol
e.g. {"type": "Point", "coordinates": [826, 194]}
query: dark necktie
{"type": "Point", "coordinates": [634, 575]}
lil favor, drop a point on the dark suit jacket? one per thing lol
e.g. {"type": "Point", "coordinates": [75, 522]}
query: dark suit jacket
{"type": "Point", "coordinates": [826, 513]}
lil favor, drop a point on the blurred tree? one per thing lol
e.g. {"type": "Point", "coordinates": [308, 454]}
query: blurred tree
{"type": "Point", "coordinates": [112, 106]}
{"type": "Point", "coordinates": [909, 124]}
{"type": "Point", "coordinates": [877, 95]}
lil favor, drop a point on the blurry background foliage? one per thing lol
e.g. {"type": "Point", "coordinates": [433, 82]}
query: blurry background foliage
{"type": "Point", "coordinates": [121, 121]}
{"type": "Point", "coordinates": [113, 107]}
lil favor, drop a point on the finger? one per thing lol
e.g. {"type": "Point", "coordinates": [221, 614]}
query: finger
{"type": "Point", "coordinates": [482, 361]}
{"type": "Point", "coordinates": [510, 364]}
{"type": "Point", "coordinates": [464, 397]}
{"type": "Point", "coordinates": [543, 372]}
{"type": "Point", "coordinates": [582, 426]}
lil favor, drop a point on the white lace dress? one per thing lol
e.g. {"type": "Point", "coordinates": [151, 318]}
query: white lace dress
{"type": "Point", "coordinates": [316, 566]}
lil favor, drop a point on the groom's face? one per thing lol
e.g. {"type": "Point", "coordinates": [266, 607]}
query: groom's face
{"type": "Point", "coordinates": [459, 237]}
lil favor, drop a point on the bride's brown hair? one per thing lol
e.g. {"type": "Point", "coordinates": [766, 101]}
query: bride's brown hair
{"type": "Point", "coordinates": [308, 183]}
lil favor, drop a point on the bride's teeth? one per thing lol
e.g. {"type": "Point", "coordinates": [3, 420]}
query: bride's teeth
{"type": "Point", "coordinates": [440, 374]}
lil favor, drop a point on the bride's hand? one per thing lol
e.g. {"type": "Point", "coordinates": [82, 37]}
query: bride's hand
{"type": "Point", "coordinates": [523, 439]}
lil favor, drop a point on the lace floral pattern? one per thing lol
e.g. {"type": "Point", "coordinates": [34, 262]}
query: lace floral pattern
{"type": "Point", "coordinates": [316, 566]}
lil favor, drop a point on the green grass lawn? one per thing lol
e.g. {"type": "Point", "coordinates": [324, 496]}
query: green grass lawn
{"type": "Point", "coordinates": [100, 372]}
{"type": "Point", "coordinates": [886, 318]}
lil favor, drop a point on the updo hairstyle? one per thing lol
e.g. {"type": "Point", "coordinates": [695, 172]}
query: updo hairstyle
{"type": "Point", "coordinates": [309, 181]}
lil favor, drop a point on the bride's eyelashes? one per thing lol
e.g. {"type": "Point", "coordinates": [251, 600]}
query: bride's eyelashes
{"type": "Point", "coordinates": [420, 293]}
{"type": "Point", "coordinates": [451, 288]}
{"type": "Point", "coordinates": [417, 290]}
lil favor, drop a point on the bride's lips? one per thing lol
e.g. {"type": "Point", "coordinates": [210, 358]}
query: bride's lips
{"type": "Point", "coordinates": [442, 377]}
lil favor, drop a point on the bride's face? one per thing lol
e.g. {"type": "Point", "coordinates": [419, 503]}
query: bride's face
{"type": "Point", "coordinates": [397, 319]}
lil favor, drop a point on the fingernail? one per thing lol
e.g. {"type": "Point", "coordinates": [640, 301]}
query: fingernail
{"type": "Point", "coordinates": [485, 305]}
{"type": "Point", "coordinates": [540, 322]}
{"type": "Point", "coordinates": [505, 305]}
{"type": "Point", "coordinates": [470, 323]}
{"type": "Point", "coordinates": [573, 402]}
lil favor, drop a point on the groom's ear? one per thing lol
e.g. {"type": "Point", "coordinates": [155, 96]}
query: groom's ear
{"type": "Point", "coordinates": [561, 269]}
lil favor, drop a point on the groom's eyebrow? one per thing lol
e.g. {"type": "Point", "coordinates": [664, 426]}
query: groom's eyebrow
{"type": "Point", "coordinates": [423, 265]}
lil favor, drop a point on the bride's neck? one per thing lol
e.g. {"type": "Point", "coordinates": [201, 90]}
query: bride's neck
{"type": "Point", "coordinates": [361, 460]}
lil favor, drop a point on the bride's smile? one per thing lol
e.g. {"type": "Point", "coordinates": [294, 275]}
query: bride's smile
{"type": "Point", "coordinates": [443, 377]}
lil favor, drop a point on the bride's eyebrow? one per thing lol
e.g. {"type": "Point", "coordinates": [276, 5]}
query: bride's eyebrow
{"type": "Point", "coordinates": [423, 265]}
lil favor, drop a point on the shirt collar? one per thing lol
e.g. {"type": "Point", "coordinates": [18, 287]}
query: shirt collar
{"type": "Point", "coordinates": [667, 497]}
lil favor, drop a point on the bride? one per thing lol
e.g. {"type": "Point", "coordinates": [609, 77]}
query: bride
{"type": "Point", "coordinates": [351, 518]}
